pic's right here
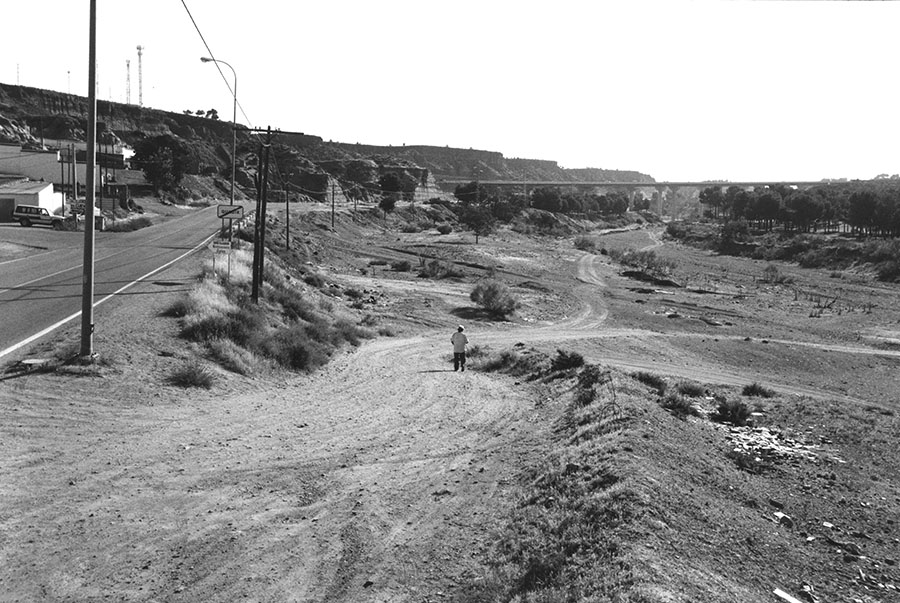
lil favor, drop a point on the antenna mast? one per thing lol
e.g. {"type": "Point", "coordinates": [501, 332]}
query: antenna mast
{"type": "Point", "coordinates": [127, 81]}
{"type": "Point", "coordinates": [140, 50]}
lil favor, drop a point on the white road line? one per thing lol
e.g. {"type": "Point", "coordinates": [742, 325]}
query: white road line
{"type": "Point", "coordinates": [53, 327]}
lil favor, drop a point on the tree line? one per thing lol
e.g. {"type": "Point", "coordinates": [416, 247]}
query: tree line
{"type": "Point", "coordinates": [865, 208]}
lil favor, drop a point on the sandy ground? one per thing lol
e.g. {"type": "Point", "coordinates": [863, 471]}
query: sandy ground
{"type": "Point", "coordinates": [381, 476]}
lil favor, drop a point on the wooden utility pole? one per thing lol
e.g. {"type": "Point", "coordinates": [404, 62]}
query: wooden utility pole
{"type": "Point", "coordinates": [332, 206]}
{"type": "Point", "coordinates": [259, 239]}
{"type": "Point", "coordinates": [87, 293]}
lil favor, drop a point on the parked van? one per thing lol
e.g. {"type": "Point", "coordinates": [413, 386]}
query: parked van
{"type": "Point", "coordinates": [29, 215]}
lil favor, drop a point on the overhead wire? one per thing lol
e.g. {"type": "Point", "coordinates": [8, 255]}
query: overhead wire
{"type": "Point", "coordinates": [218, 66]}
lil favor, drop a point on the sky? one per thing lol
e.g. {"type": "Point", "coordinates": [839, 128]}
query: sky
{"type": "Point", "coordinates": [680, 90]}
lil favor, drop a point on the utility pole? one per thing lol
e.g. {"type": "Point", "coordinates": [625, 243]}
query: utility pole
{"type": "Point", "coordinates": [332, 205]}
{"type": "Point", "coordinates": [87, 295]}
{"type": "Point", "coordinates": [259, 239]}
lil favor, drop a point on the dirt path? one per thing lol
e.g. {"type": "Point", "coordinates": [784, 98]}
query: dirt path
{"type": "Point", "coordinates": [379, 478]}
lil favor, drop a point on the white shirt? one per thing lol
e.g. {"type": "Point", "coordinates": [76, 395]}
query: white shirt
{"type": "Point", "coordinates": [459, 341]}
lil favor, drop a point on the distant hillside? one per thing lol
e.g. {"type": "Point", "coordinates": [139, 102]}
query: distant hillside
{"type": "Point", "coordinates": [32, 116]}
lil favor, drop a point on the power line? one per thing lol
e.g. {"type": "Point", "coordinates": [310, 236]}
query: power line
{"type": "Point", "coordinates": [213, 57]}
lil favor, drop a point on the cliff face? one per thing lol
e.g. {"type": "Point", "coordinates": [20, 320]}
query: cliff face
{"type": "Point", "coordinates": [35, 117]}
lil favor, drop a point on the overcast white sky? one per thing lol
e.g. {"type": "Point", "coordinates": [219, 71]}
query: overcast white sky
{"type": "Point", "coordinates": [676, 89]}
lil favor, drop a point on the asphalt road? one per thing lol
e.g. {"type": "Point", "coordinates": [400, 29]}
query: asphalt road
{"type": "Point", "coordinates": [44, 287]}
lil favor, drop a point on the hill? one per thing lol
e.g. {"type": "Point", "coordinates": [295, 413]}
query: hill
{"type": "Point", "coordinates": [32, 116]}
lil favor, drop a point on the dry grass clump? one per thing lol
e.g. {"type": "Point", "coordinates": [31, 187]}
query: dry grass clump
{"type": "Point", "coordinates": [193, 374]}
{"type": "Point", "coordinates": [690, 389]}
{"type": "Point", "coordinates": [285, 327]}
{"type": "Point", "coordinates": [652, 380]}
{"type": "Point", "coordinates": [679, 405]}
{"type": "Point", "coordinates": [757, 390]}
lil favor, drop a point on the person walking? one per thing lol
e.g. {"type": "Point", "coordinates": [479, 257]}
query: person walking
{"type": "Point", "coordinates": [459, 341]}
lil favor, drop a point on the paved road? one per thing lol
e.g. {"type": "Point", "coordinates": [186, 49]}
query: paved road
{"type": "Point", "coordinates": [44, 287]}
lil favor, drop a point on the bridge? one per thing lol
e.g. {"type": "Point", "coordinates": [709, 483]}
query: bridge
{"type": "Point", "coordinates": [630, 187]}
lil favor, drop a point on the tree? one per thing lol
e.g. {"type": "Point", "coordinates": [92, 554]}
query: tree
{"type": "Point", "coordinates": [387, 204]}
{"type": "Point", "coordinates": [467, 193]}
{"type": "Point", "coordinates": [479, 219]}
{"type": "Point", "coordinates": [547, 199]}
{"type": "Point", "coordinates": [164, 160]}
{"type": "Point", "coordinates": [713, 197]}
{"type": "Point", "coordinates": [212, 114]}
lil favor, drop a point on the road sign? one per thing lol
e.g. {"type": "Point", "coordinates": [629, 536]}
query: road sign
{"type": "Point", "coordinates": [219, 244]}
{"type": "Point", "coordinates": [230, 212]}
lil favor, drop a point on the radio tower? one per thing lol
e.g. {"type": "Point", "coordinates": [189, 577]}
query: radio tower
{"type": "Point", "coordinates": [140, 50]}
{"type": "Point", "coordinates": [127, 81]}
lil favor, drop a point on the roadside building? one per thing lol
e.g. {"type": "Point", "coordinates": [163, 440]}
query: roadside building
{"type": "Point", "coordinates": [27, 192]}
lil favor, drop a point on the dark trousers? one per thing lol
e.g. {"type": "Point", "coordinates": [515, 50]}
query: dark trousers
{"type": "Point", "coordinates": [459, 360]}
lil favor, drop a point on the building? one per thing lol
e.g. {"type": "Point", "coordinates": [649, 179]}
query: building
{"type": "Point", "coordinates": [27, 192]}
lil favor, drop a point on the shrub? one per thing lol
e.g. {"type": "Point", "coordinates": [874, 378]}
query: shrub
{"type": "Point", "coordinates": [353, 293]}
{"type": "Point", "coordinates": [233, 357]}
{"type": "Point", "coordinates": [129, 225]}
{"type": "Point", "coordinates": [402, 266]}
{"type": "Point", "coordinates": [566, 360]}
{"type": "Point", "coordinates": [514, 363]}
{"type": "Point", "coordinates": [772, 274]}
{"type": "Point", "coordinates": [438, 269]}
{"type": "Point", "coordinates": [192, 374]}
{"type": "Point", "coordinates": [755, 389]}
{"type": "Point", "coordinates": [314, 279]}
{"type": "Point", "coordinates": [585, 243]}
{"type": "Point", "coordinates": [654, 381]}
{"type": "Point", "coordinates": [494, 297]}
{"type": "Point", "coordinates": [690, 389]}
{"type": "Point", "coordinates": [591, 375]}
{"type": "Point", "coordinates": [678, 405]}
{"type": "Point", "coordinates": [732, 411]}
{"type": "Point", "coordinates": [444, 229]}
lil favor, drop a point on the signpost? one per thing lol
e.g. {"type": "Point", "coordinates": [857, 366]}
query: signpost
{"type": "Point", "coordinates": [217, 246]}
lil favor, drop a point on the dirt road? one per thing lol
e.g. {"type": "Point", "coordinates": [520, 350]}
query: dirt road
{"type": "Point", "coordinates": [378, 478]}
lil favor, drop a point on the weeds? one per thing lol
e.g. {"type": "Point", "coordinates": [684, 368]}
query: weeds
{"type": "Point", "coordinates": [193, 374]}
{"type": "Point", "coordinates": [653, 381]}
{"type": "Point", "coordinates": [679, 406]}
{"type": "Point", "coordinates": [585, 243]}
{"type": "Point", "coordinates": [757, 390]}
{"type": "Point", "coordinates": [402, 266]}
{"type": "Point", "coordinates": [690, 389]}
{"type": "Point", "coordinates": [731, 411]}
{"type": "Point", "coordinates": [566, 360]}
{"type": "Point", "coordinates": [437, 269]}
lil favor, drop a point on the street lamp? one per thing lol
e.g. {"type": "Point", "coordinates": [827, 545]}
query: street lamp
{"type": "Point", "coordinates": [233, 121]}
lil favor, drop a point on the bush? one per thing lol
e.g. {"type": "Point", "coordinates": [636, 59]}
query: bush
{"type": "Point", "coordinates": [494, 297]}
{"type": "Point", "coordinates": [679, 406]}
{"type": "Point", "coordinates": [129, 225]}
{"type": "Point", "coordinates": [690, 389]}
{"type": "Point", "coordinates": [402, 266]}
{"type": "Point", "coordinates": [314, 279]}
{"type": "Point", "coordinates": [654, 381]}
{"type": "Point", "coordinates": [438, 269]}
{"type": "Point", "coordinates": [772, 274]}
{"type": "Point", "coordinates": [566, 360]}
{"type": "Point", "coordinates": [732, 411]}
{"type": "Point", "coordinates": [444, 229]}
{"type": "Point", "coordinates": [192, 374]}
{"type": "Point", "coordinates": [755, 389]}
{"type": "Point", "coordinates": [585, 243]}
{"type": "Point", "coordinates": [592, 375]}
